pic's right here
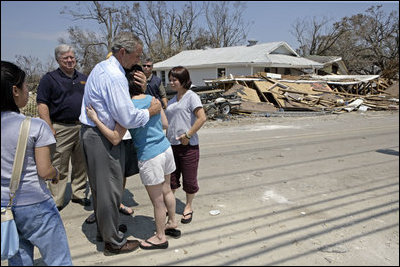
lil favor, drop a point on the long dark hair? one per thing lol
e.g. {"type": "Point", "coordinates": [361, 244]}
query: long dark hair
{"type": "Point", "coordinates": [11, 75]}
{"type": "Point", "coordinates": [182, 74]}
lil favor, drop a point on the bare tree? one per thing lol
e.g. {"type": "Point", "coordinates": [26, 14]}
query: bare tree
{"type": "Point", "coordinates": [316, 36]}
{"type": "Point", "coordinates": [92, 47]}
{"type": "Point", "coordinates": [164, 30]}
{"type": "Point", "coordinates": [225, 23]}
{"type": "Point", "coordinates": [89, 48]}
{"type": "Point", "coordinates": [372, 43]}
{"type": "Point", "coordinates": [33, 68]}
{"type": "Point", "coordinates": [368, 42]}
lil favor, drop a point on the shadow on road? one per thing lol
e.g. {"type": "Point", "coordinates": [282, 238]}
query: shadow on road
{"type": "Point", "coordinates": [388, 151]}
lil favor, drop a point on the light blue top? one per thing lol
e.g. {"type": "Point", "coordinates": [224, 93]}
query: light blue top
{"type": "Point", "coordinates": [32, 189]}
{"type": "Point", "coordinates": [150, 139]}
{"type": "Point", "coordinates": [181, 117]}
{"type": "Point", "coordinates": [107, 91]}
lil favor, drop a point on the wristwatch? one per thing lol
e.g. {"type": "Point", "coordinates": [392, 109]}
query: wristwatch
{"type": "Point", "coordinates": [188, 136]}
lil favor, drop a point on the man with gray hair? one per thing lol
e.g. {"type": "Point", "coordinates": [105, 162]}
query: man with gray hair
{"type": "Point", "coordinates": [107, 92]}
{"type": "Point", "coordinates": [59, 99]}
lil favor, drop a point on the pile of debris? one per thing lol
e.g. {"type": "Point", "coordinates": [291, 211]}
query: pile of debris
{"type": "Point", "coordinates": [265, 92]}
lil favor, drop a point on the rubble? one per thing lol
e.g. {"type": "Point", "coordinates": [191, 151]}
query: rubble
{"type": "Point", "coordinates": [329, 93]}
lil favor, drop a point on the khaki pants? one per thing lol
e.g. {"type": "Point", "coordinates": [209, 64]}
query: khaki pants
{"type": "Point", "coordinates": [68, 147]}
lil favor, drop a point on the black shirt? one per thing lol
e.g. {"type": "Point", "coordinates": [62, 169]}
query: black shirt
{"type": "Point", "coordinates": [62, 94]}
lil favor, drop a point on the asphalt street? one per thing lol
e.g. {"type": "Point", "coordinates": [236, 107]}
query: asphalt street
{"type": "Point", "coordinates": [314, 190]}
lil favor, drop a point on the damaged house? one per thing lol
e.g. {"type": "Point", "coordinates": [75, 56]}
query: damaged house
{"type": "Point", "coordinates": [212, 63]}
{"type": "Point", "coordinates": [332, 65]}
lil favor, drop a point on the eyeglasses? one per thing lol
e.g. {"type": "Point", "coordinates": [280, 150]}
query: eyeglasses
{"type": "Point", "coordinates": [147, 66]}
{"type": "Point", "coordinates": [68, 57]}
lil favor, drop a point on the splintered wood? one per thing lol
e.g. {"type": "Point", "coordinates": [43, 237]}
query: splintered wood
{"type": "Point", "coordinates": [260, 93]}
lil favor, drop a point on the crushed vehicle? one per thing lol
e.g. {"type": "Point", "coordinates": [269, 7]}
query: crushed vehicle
{"type": "Point", "coordinates": [216, 104]}
{"type": "Point", "coordinates": [215, 101]}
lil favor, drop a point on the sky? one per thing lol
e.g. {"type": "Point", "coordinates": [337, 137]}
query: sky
{"type": "Point", "coordinates": [32, 28]}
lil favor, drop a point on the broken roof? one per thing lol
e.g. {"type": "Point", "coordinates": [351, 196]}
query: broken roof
{"type": "Point", "coordinates": [274, 54]}
{"type": "Point", "coordinates": [324, 59]}
{"type": "Point", "coordinates": [345, 79]}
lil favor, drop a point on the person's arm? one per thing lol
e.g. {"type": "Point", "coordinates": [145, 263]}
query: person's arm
{"type": "Point", "coordinates": [200, 120]}
{"type": "Point", "coordinates": [114, 136]}
{"type": "Point", "coordinates": [164, 102]}
{"type": "Point", "coordinates": [43, 164]}
{"type": "Point", "coordinates": [164, 120]}
{"type": "Point", "coordinates": [44, 114]}
{"type": "Point", "coordinates": [163, 95]}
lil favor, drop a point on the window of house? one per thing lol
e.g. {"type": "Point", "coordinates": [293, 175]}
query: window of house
{"type": "Point", "coordinates": [286, 71]}
{"type": "Point", "coordinates": [221, 72]}
{"type": "Point", "coordinates": [267, 70]}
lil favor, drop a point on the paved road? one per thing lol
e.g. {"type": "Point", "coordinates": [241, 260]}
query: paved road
{"type": "Point", "coordinates": [320, 190]}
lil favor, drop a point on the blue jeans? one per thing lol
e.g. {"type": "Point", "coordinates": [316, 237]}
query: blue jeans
{"type": "Point", "coordinates": [40, 225]}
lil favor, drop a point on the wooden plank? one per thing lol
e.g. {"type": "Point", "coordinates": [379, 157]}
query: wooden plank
{"type": "Point", "coordinates": [264, 86]}
{"type": "Point", "coordinates": [247, 106]}
{"type": "Point", "coordinates": [260, 93]}
{"type": "Point", "coordinates": [245, 93]}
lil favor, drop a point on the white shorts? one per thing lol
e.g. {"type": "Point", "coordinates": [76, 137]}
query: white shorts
{"type": "Point", "coordinates": [152, 171]}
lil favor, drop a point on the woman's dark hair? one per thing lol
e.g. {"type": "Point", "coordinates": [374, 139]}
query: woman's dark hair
{"type": "Point", "coordinates": [134, 89]}
{"type": "Point", "coordinates": [11, 75]}
{"type": "Point", "coordinates": [182, 74]}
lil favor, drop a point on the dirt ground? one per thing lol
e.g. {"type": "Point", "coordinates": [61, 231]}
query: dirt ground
{"type": "Point", "coordinates": [288, 189]}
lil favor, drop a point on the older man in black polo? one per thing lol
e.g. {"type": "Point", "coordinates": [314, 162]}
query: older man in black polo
{"type": "Point", "coordinates": [59, 98]}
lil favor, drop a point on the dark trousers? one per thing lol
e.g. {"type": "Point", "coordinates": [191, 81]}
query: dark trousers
{"type": "Point", "coordinates": [104, 167]}
{"type": "Point", "coordinates": [187, 163]}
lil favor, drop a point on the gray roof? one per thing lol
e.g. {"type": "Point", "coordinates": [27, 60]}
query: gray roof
{"type": "Point", "coordinates": [274, 54]}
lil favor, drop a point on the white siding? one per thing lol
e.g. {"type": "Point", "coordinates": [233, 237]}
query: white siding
{"type": "Point", "coordinates": [198, 75]}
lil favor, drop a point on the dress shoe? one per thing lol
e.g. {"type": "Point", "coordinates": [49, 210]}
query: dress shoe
{"type": "Point", "coordinates": [129, 246]}
{"type": "Point", "coordinates": [121, 227]}
{"type": "Point", "coordinates": [83, 201]}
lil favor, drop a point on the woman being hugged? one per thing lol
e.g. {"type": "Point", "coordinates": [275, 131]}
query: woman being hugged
{"type": "Point", "coordinates": [35, 213]}
{"type": "Point", "coordinates": [185, 114]}
{"type": "Point", "coordinates": [155, 162]}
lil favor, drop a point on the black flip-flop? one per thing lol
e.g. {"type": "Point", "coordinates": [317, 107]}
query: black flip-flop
{"type": "Point", "coordinates": [187, 220]}
{"type": "Point", "coordinates": [175, 233]}
{"type": "Point", "coordinates": [154, 246]}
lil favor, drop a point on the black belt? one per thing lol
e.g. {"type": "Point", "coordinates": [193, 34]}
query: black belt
{"type": "Point", "coordinates": [68, 122]}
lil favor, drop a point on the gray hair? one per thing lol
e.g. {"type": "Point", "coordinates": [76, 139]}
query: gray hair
{"type": "Point", "coordinates": [61, 49]}
{"type": "Point", "coordinates": [126, 40]}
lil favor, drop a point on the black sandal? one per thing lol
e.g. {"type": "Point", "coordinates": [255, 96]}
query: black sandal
{"type": "Point", "coordinates": [154, 246]}
{"type": "Point", "coordinates": [187, 220]}
{"type": "Point", "coordinates": [175, 233]}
